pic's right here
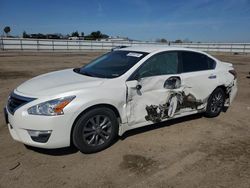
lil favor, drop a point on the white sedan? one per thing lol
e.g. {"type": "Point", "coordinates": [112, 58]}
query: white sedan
{"type": "Point", "coordinates": [119, 91]}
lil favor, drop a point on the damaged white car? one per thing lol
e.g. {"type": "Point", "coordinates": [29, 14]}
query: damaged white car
{"type": "Point", "coordinates": [119, 91]}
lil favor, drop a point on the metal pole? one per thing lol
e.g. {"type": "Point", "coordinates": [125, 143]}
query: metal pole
{"type": "Point", "coordinates": [2, 44]}
{"type": "Point", "coordinates": [37, 42]}
{"type": "Point", "coordinates": [53, 47]}
{"type": "Point", "coordinates": [21, 43]}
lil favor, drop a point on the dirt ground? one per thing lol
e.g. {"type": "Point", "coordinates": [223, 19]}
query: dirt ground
{"type": "Point", "coordinates": [189, 152]}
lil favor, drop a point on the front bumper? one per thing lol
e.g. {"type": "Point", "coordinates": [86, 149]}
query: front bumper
{"type": "Point", "coordinates": [21, 125]}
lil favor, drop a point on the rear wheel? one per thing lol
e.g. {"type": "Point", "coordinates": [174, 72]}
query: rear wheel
{"type": "Point", "coordinates": [95, 130]}
{"type": "Point", "coordinates": [215, 103]}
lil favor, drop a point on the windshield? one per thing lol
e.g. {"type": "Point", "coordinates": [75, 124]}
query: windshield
{"type": "Point", "coordinates": [113, 64]}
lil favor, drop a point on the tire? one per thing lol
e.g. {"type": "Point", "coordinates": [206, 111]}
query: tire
{"type": "Point", "coordinates": [215, 103]}
{"type": "Point", "coordinates": [95, 130]}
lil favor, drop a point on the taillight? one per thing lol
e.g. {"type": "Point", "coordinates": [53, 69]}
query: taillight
{"type": "Point", "coordinates": [234, 73]}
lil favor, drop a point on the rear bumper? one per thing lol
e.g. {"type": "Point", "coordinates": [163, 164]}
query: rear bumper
{"type": "Point", "coordinates": [233, 92]}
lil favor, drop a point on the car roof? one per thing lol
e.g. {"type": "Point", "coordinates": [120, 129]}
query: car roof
{"type": "Point", "coordinates": [155, 48]}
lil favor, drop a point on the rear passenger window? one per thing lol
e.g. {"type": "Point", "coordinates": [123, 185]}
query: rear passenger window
{"type": "Point", "coordinates": [211, 63]}
{"type": "Point", "coordinates": [192, 61]}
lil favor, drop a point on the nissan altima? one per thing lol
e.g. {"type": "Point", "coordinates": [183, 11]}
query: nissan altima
{"type": "Point", "coordinates": [121, 90]}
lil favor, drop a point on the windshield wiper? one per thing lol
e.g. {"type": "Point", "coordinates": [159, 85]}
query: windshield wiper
{"type": "Point", "coordinates": [78, 70]}
{"type": "Point", "coordinates": [87, 74]}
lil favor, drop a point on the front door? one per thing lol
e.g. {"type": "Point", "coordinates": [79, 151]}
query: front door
{"type": "Point", "coordinates": [153, 89]}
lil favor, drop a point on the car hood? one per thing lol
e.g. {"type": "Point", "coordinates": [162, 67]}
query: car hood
{"type": "Point", "coordinates": [57, 82]}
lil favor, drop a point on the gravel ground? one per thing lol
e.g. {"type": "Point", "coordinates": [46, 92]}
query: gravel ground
{"type": "Point", "coordinates": [188, 152]}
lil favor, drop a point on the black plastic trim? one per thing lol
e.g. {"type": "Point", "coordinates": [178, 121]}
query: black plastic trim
{"type": "Point", "coordinates": [21, 99]}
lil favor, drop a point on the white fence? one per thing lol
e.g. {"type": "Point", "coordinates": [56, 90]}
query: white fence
{"type": "Point", "coordinates": [78, 45]}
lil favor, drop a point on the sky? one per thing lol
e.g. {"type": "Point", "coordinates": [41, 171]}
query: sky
{"type": "Point", "coordinates": [147, 20]}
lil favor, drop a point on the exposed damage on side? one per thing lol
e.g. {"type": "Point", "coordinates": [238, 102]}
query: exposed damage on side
{"type": "Point", "coordinates": [177, 103]}
{"type": "Point", "coordinates": [180, 101]}
{"type": "Point", "coordinates": [231, 91]}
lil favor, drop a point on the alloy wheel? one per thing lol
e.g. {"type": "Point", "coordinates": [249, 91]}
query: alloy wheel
{"type": "Point", "coordinates": [97, 130]}
{"type": "Point", "coordinates": [217, 102]}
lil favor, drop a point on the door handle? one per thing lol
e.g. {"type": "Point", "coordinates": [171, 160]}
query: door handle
{"type": "Point", "coordinates": [212, 76]}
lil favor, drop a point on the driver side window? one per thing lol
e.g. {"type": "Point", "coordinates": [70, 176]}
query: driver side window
{"type": "Point", "coordinates": [159, 64]}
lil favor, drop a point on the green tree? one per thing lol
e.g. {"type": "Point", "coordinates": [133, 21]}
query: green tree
{"type": "Point", "coordinates": [162, 40]}
{"type": "Point", "coordinates": [25, 35]}
{"type": "Point", "coordinates": [104, 36]}
{"type": "Point", "coordinates": [75, 34]}
{"type": "Point", "coordinates": [7, 30]}
{"type": "Point", "coordinates": [96, 35]}
{"type": "Point", "coordinates": [178, 41]}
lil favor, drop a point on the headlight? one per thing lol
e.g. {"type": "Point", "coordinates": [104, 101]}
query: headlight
{"type": "Point", "coordinates": [51, 108]}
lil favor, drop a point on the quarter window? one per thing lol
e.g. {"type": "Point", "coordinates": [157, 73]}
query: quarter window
{"type": "Point", "coordinates": [192, 61]}
{"type": "Point", "coordinates": [160, 64]}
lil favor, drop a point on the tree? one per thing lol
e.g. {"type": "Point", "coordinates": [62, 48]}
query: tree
{"type": "Point", "coordinates": [96, 34]}
{"type": "Point", "coordinates": [75, 34]}
{"type": "Point", "coordinates": [25, 35]}
{"type": "Point", "coordinates": [178, 41]}
{"type": "Point", "coordinates": [82, 34]}
{"type": "Point", "coordinates": [104, 36]}
{"type": "Point", "coordinates": [162, 40]}
{"type": "Point", "coordinates": [6, 30]}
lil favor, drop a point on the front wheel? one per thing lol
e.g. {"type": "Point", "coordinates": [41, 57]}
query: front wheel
{"type": "Point", "coordinates": [95, 130]}
{"type": "Point", "coordinates": [215, 103]}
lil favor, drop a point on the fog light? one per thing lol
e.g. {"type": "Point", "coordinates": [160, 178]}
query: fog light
{"type": "Point", "coordinates": [39, 136]}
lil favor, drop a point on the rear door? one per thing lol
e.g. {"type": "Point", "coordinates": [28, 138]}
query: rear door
{"type": "Point", "coordinates": [199, 78]}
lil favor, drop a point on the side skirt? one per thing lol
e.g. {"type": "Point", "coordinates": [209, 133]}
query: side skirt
{"type": "Point", "coordinates": [125, 127]}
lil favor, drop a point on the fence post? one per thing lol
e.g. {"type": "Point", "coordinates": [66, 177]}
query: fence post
{"type": "Point", "coordinates": [2, 44]}
{"type": "Point", "coordinates": [21, 43]}
{"type": "Point", "coordinates": [53, 47]}
{"type": "Point", "coordinates": [37, 43]}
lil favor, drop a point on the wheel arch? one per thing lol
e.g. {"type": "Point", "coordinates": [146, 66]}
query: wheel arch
{"type": "Point", "coordinates": [224, 88]}
{"type": "Point", "coordinates": [113, 108]}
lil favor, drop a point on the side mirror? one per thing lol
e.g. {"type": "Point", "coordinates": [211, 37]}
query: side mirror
{"type": "Point", "coordinates": [173, 82]}
{"type": "Point", "coordinates": [132, 84]}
